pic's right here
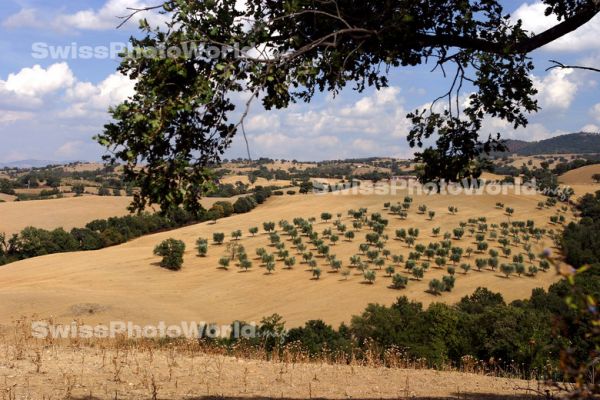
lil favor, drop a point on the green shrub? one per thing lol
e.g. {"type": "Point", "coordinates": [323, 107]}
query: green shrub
{"type": "Point", "coordinates": [202, 247]}
{"type": "Point", "coordinates": [171, 251]}
{"type": "Point", "coordinates": [224, 262]}
{"type": "Point", "coordinates": [218, 237]}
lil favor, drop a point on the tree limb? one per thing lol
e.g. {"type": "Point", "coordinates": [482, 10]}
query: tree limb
{"type": "Point", "coordinates": [560, 65]}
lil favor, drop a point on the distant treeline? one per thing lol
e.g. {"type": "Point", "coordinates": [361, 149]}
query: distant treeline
{"type": "Point", "coordinates": [101, 233]}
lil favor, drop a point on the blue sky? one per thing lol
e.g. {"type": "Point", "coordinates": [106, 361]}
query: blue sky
{"type": "Point", "coordinates": [51, 107]}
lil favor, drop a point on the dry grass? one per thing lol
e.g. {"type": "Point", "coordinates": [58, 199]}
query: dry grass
{"type": "Point", "coordinates": [127, 283]}
{"type": "Point", "coordinates": [113, 369]}
{"type": "Point", "coordinates": [67, 213]}
{"type": "Point", "coordinates": [581, 176]}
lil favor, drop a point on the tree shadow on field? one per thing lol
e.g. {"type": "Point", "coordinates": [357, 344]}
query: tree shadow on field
{"type": "Point", "coordinates": [454, 396]}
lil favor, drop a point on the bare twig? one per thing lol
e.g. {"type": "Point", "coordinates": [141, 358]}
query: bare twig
{"type": "Point", "coordinates": [560, 65]}
{"type": "Point", "coordinates": [134, 12]}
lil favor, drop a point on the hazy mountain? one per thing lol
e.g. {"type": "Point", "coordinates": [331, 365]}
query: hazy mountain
{"type": "Point", "coordinates": [30, 163]}
{"type": "Point", "coordinates": [577, 143]}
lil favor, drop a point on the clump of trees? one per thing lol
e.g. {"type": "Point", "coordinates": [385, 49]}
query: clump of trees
{"type": "Point", "coordinates": [171, 251]}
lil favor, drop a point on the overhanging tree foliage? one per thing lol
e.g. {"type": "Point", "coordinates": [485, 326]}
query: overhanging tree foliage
{"type": "Point", "coordinates": [184, 113]}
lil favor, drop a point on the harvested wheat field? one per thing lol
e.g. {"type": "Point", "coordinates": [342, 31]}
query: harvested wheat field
{"type": "Point", "coordinates": [126, 283]}
{"type": "Point", "coordinates": [7, 197]}
{"type": "Point", "coordinates": [49, 371]}
{"type": "Point", "coordinates": [581, 176]}
{"type": "Point", "coordinates": [67, 212]}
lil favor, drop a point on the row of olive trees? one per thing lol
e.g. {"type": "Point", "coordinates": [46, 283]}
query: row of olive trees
{"type": "Point", "coordinates": [375, 247]}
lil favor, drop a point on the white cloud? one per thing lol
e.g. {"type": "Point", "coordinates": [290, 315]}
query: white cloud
{"type": "Point", "coordinates": [26, 17]}
{"type": "Point", "coordinates": [374, 123]}
{"type": "Point", "coordinates": [533, 132]}
{"type": "Point", "coordinates": [534, 20]}
{"type": "Point", "coordinates": [69, 149]}
{"type": "Point", "coordinates": [595, 111]}
{"type": "Point", "coordinates": [106, 17]}
{"type": "Point", "coordinates": [8, 116]}
{"type": "Point", "coordinates": [86, 98]}
{"type": "Point", "coordinates": [262, 122]}
{"type": "Point", "coordinates": [591, 128]}
{"type": "Point", "coordinates": [556, 90]}
{"type": "Point", "coordinates": [36, 81]}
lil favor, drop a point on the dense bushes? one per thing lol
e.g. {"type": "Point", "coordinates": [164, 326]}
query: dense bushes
{"type": "Point", "coordinates": [581, 241]}
{"type": "Point", "coordinates": [7, 187]}
{"type": "Point", "coordinates": [244, 205]}
{"type": "Point", "coordinates": [516, 336]}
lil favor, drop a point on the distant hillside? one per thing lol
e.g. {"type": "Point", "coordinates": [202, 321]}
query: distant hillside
{"type": "Point", "coordinates": [515, 145]}
{"type": "Point", "coordinates": [29, 164]}
{"type": "Point", "coordinates": [574, 143]}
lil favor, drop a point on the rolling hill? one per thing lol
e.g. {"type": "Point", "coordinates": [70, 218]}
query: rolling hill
{"type": "Point", "coordinates": [125, 283]}
{"type": "Point", "coordinates": [574, 143]}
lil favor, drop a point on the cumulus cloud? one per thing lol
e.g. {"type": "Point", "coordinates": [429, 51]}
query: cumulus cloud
{"type": "Point", "coordinates": [556, 89]}
{"type": "Point", "coordinates": [86, 98]}
{"type": "Point", "coordinates": [372, 124]}
{"type": "Point", "coordinates": [534, 20]}
{"type": "Point", "coordinates": [37, 81]}
{"type": "Point", "coordinates": [591, 128]}
{"type": "Point", "coordinates": [103, 18]}
{"type": "Point", "coordinates": [263, 122]}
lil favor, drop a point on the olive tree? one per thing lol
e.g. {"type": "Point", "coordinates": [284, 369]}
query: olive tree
{"type": "Point", "coordinates": [202, 247]}
{"type": "Point", "coordinates": [236, 235]}
{"type": "Point", "coordinates": [399, 281]}
{"type": "Point", "coordinates": [316, 273]}
{"type": "Point", "coordinates": [465, 267]}
{"type": "Point", "coordinates": [370, 276]}
{"type": "Point", "coordinates": [436, 287]}
{"type": "Point", "coordinates": [507, 269]}
{"type": "Point", "coordinates": [326, 216]}
{"type": "Point", "coordinates": [224, 262]}
{"type": "Point", "coordinates": [218, 237]}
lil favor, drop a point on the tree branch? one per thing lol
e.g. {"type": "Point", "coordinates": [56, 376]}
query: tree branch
{"type": "Point", "coordinates": [523, 47]}
{"type": "Point", "coordinates": [560, 65]}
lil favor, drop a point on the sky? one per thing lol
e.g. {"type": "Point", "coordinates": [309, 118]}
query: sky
{"type": "Point", "coordinates": [51, 105]}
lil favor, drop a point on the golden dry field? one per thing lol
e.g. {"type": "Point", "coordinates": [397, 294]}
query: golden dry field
{"type": "Point", "coordinates": [67, 212]}
{"type": "Point", "coordinates": [32, 369]}
{"type": "Point", "coordinates": [126, 283]}
{"type": "Point", "coordinates": [581, 176]}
